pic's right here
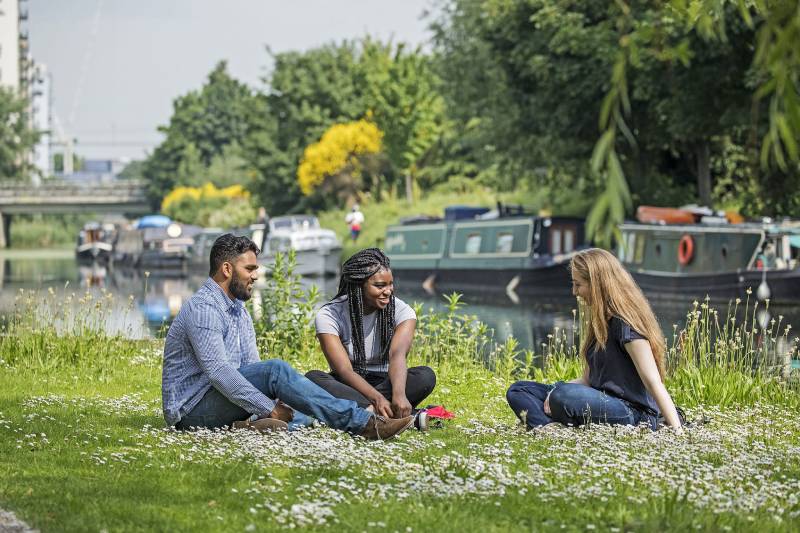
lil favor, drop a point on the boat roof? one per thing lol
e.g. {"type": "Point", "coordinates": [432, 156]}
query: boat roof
{"type": "Point", "coordinates": [771, 228]}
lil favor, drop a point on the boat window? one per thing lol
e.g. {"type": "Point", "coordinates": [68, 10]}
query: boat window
{"type": "Point", "coordinates": [639, 254]}
{"type": "Point", "coordinates": [658, 249]}
{"type": "Point", "coordinates": [724, 251]}
{"type": "Point", "coordinates": [473, 244]}
{"type": "Point", "coordinates": [621, 247]}
{"type": "Point", "coordinates": [555, 241]}
{"type": "Point", "coordinates": [569, 240]}
{"type": "Point", "coordinates": [630, 247]}
{"type": "Point", "coordinates": [505, 242]}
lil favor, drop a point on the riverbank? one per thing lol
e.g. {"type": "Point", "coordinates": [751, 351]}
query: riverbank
{"type": "Point", "coordinates": [83, 445]}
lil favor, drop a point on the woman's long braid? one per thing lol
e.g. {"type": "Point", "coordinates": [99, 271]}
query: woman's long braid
{"type": "Point", "coordinates": [355, 271]}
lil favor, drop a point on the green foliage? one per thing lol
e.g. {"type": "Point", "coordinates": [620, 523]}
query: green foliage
{"type": "Point", "coordinates": [16, 136]}
{"type": "Point", "coordinates": [335, 84]}
{"type": "Point", "coordinates": [404, 98]}
{"type": "Point", "coordinates": [203, 137]}
{"type": "Point", "coordinates": [44, 332]}
{"type": "Point", "coordinates": [47, 231]}
{"type": "Point", "coordinates": [133, 171]}
{"type": "Point", "coordinates": [285, 315]}
{"type": "Point", "coordinates": [58, 162]}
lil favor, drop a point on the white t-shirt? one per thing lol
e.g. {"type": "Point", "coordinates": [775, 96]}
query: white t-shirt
{"type": "Point", "coordinates": [354, 218]}
{"type": "Point", "coordinates": [334, 318]}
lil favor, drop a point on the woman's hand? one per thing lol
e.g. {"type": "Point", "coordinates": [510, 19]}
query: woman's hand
{"type": "Point", "coordinates": [382, 406]}
{"type": "Point", "coordinates": [401, 407]}
{"type": "Point", "coordinates": [546, 405]}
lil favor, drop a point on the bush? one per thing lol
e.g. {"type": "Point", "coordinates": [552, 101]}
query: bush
{"type": "Point", "coordinates": [209, 206]}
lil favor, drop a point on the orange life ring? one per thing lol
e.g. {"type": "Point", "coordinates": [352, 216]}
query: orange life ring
{"type": "Point", "coordinates": [685, 250]}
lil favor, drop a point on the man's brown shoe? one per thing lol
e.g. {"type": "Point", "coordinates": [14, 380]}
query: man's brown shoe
{"type": "Point", "coordinates": [262, 424]}
{"type": "Point", "coordinates": [381, 428]}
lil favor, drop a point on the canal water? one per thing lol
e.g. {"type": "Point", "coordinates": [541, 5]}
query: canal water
{"type": "Point", "coordinates": [139, 305]}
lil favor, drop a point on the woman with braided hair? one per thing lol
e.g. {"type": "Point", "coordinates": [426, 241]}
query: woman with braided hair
{"type": "Point", "coordinates": [366, 333]}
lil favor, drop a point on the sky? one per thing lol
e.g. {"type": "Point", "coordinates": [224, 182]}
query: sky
{"type": "Point", "coordinates": [117, 65]}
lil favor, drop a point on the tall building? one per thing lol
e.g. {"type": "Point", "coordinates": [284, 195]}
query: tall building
{"type": "Point", "coordinates": [41, 98]}
{"type": "Point", "coordinates": [10, 44]}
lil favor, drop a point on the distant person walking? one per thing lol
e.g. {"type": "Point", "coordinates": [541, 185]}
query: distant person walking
{"type": "Point", "coordinates": [354, 219]}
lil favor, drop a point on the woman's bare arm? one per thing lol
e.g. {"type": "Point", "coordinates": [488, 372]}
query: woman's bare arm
{"type": "Point", "coordinates": [642, 355]}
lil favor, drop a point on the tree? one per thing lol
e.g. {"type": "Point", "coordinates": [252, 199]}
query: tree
{"type": "Point", "coordinates": [336, 84]}
{"type": "Point", "coordinates": [336, 162]}
{"type": "Point", "coordinates": [406, 104]}
{"type": "Point", "coordinates": [775, 73]}
{"type": "Point", "coordinates": [133, 170]}
{"type": "Point", "coordinates": [203, 124]}
{"type": "Point", "coordinates": [17, 139]}
{"type": "Point", "coordinates": [307, 93]}
{"type": "Point", "coordinates": [667, 99]}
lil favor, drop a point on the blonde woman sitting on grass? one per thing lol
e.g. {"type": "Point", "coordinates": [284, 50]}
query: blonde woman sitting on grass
{"type": "Point", "coordinates": [623, 350]}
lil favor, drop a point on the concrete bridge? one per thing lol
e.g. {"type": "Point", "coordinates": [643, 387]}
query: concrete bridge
{"type": "Point", "coordinates": [56, 197]}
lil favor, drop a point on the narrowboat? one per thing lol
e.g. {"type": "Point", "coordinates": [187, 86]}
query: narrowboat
{"type": "Point", "coordinates": [475, 250]}
{"type": "Point", "coordinates": [713, 257]}
{"type": "Point", "coordinates": [95, 242]}
{"type": "Point", "coordinates": [155, 243]}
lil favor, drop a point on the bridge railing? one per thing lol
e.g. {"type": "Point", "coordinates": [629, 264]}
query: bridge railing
{"type": "Point", "coordinates": [62, 188]}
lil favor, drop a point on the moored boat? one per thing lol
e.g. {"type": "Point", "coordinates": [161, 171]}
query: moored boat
{"type": "Point", "coordinates": [155, 243]}
{"type": "Point", "coordinates": [95, 242]}
{"type": "Point", "coordinates": [508, 251]}
{"type": "Point", "coordinates": [317, 250]}
{"type": "Point", "coordinates": [714, 258]}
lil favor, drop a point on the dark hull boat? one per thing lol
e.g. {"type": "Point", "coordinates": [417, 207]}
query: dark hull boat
{"type": "Point", "coordinates": [720, 260]}
{"type": "Point", "coordinates": [518, 256]}
{"type": "Point", "coordinates": [95, 243]}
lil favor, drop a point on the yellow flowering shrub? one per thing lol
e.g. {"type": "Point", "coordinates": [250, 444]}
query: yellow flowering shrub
{"type": "Point", "coordinates": [207, 192]}
{"type": "Point", "coordinates": [340, 146]}
{"type": "Point", "coordinates": [209, 206]}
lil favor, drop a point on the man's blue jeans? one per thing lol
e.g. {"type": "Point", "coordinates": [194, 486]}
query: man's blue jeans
{"type": "Point", "coordinates": [277, 379]}
{"type": "Point", "coordinates": [571, 403]}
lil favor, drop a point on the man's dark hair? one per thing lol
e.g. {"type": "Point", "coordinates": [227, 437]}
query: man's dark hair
{"type": "Point", "coordinates": [227, 248]}
{"type": "Point", "coordinates": [355, 271]}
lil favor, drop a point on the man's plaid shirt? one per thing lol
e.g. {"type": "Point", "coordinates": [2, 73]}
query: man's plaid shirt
{"type": "Point", "coordinates": [210, 339]}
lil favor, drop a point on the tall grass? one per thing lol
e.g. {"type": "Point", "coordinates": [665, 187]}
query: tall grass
{"type": "Point", "coordinates": [51, 329]}
{"type": "Point", "coordinates": [713, 361]}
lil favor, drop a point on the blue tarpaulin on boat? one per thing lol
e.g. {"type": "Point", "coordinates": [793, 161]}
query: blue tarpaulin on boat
{"type": "Point", "coordinates": [153, 221]}
{"type": "Point", "coordinates": [794, 240]}
{"type": "Point", "coordinates": [460, 212]}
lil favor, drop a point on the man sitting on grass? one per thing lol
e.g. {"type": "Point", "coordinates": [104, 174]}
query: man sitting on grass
{"type": "Point", "coordinates": [213, 377]}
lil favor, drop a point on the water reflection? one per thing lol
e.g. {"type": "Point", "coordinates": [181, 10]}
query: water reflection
{"type": "Point", "coordinates": [143, 304]}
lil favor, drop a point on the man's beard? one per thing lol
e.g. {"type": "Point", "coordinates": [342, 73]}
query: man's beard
{"type": "Point", "coordinates": [238, 288]}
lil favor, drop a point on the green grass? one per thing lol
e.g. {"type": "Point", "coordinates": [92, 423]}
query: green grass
{"type": "Point", "coordinates": [47, 231]}
{"type": "Point", "coordinates": [83, 448]}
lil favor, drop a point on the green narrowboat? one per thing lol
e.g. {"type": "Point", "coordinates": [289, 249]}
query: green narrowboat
{"type": "Point", "coordinates": [522, 255]}
{"type": "Point", "coordinates": [719, 259]}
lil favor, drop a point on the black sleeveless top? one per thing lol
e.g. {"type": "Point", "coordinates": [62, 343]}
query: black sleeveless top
{"type": "Point", "coordinates": [612, 371]}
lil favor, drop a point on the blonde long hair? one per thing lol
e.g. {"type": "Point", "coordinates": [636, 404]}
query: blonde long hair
{"type": "Point", "coordinates": [613, 292]}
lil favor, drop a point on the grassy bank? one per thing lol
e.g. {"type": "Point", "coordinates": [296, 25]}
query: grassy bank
{"type": "Point", "coordinates": [47, 231]}
{"type": "Point", "coordinates": [82, 443]}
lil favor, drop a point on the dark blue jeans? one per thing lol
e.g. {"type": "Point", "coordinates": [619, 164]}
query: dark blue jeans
{"type": "Point", "coordinates": [277, 379]}
{"type": "Point", "coordinates": [571, 403]}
